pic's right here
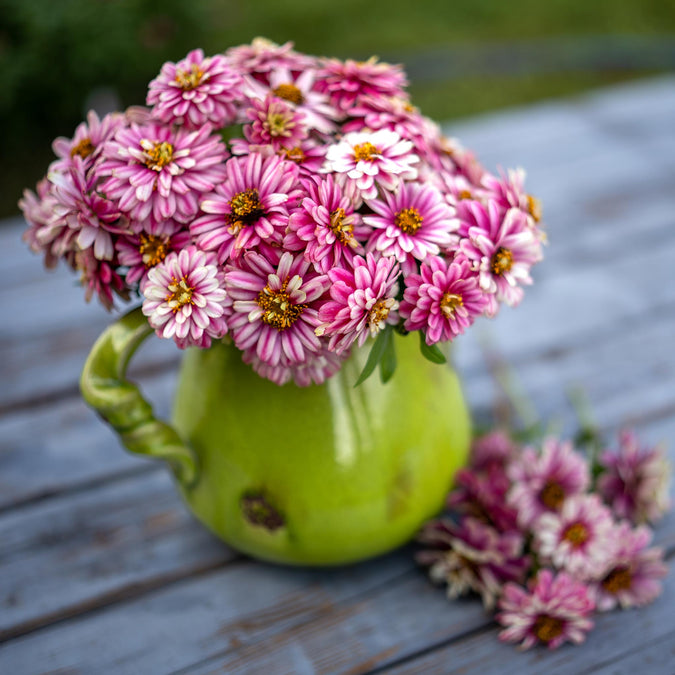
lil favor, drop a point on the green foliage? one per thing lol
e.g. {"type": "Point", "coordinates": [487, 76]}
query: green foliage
{"type": "Point", "coordinates": [431, 352]}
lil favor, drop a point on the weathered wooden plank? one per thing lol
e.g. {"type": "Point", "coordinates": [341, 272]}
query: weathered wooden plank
{"type": "Point", "coordinates": [65, 445]}
{"type": "Point", "coordinates": [185, 622]}
{"type": "Point", "coordinates": [66, 556]}
{"type": "Point", "coordinates": [616, 635]}
{"type": "Point", "coordinates": [655, 657]}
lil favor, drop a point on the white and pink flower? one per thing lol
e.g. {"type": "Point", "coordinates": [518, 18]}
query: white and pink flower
{"type": "Point", "coordinates": [185, 298]}
{"type": "Point", "coordinates": [543, 482]}
{"type": "Point", "coordinates": [363, 302]}
{"type": "Point", "coordinates": [157, 172]}
{"type": "Point", "coordinates": [442, 300]}
{"type": "Point", "coordinates": [274, 122]}
{"type": "Point", "coordinates": [633, 578]}
{"type": "Point", "coordinates": [553, 609]}
{"type": "Point", "coordinates": [411, 224]}
{"type": "Point", "coordinates": [580, 538]}
{"type": "Point", "coordinates": [196, 91]}
{"type": "Point", "coordinates": [634, 480]}
{"type": "Point", "coordinates": [248, 207]}
{"type": "Point", "coordinates": [327, 226]}
{"type": "Point", "coordinates": [275, 306]}
{"type": "Point", "coordinates": [472, 556]}
{"type": "Point", "coordinates": [379, 159]}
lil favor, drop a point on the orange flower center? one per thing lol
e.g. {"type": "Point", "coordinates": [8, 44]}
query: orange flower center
{"type": "Point", "coordinates": [365, 151]}
{"type": "Point", "coordinates": [577, 534]}
{"type": "Point", "coordinates": [189, 79]}
{"type": "Point", "coordinates": [84, 148]}
{"type": "Point", "coordinates": [289, 92]}
{"type": "Point", "coordinates": [295, 155]}
{"type": "Point", "coordinates": [552, 496]}
{"type": "Point", "coordinates": [344, 231]}
{"type": "Point", "coordinates": [409, 220]}
{"type": "Point", "coordinates": [152, 249]}
{"type": "Point", "coordinates": [278, 309]}
{"type": "Point", "coordinates": [534, 207]}
{"type": "Point", "coordinates": [157, 155]}
{"type": "Point", "coordinates": [502, 261]}
{"type": "Point", "coordinates": [181, 294]}
{"type": "Point", "coordinates": [245, 208]}
{"type": "Point", "coordinates": [547, 628]}
{"type": "Point", "coordinates": [449, 304]}
{"type": "Point", "coordinates": [619, 579]}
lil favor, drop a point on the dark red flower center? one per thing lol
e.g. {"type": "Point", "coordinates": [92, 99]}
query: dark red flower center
{"type": "Point", "coordinates": [619, 579]}
{"type": "Point", "coordinates": [552, 495]}
{"type": "Point", "coordinates": [547, 628]}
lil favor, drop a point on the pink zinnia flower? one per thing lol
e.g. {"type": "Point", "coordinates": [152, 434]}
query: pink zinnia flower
{"type": "Point", "coordinates": [363, 302]}
{"type": "Point", "coordinates": [87, 141]}
{"type": "Point", "coordinates": [579, 539]}
{"type": "Point", "coordinates": [263, 56]}
{"type": "Point", "coordinates": [552, 610]}
{"type": "Point", "coordinates": [248, 207]}
{"type": "Point", "coordinates": [44, 235]}
{"type": "Point", "coordinates": [195, 91]}
{"type": "Point", "coordinates": [274, 306]}
{"type": "Point", "coordinates": [185, 299]}
{"type": "Point", "coordinates": [159, 172]}
{"type": "Point", "coordinates": [542, 482]}
{"type": "Point", "coordinates": [635, 480]}
{"type": "Point", "coordinates": [509, 191]}
{"type": "Point", "coordinates": [472, 556]}
{"type": "Point", "coordinates": [411, 223]}
{"type": "Point", "coordinates": [141, 251]}
{"type": "Point", "coordinates": [85, 211]}
{"type": "Point", "coordinates": [348, 81]}
{"type": "Point", "coordinates": [371, 159]}
{"type": "Point", "coordinates": [274, 122]}
{"type": "Point", "coordinates": [495, 448]}
{"type": "Point", "coordinates": [300, 93]}
{"type": "Point", "coordinates": [99, 278]}
{"type": "Point", "coordinates": [326, 226]}
{"type": "Point", "coordinates": [632, 579]}
{"type": "Point", "coordinates": [443, 300]}
{"type": "Point", "coordinates": [503, 248]}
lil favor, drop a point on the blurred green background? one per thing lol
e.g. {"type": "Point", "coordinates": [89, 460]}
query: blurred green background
{"type": "Point", "coordinates": [462, 56]}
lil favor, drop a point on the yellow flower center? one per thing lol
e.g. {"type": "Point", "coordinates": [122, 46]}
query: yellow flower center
{"type": "Point", "coordinates": [277, 124]}
{"type": "Point", "coordinates": [449, 304]}
{"type": "Point", "coordinates": [84, 148]}
{"type": "Point", "coordinates": [278, 309]}
{"type": "Point", "coordinates": [245, 208]}
{"type": "Point", "coordinates": [464, 194]}
{"type": "Point", "coordinates": [344, 231]}
{"type": "Point", "coordinates": [409, 220]}
{"type": "Point", "coordinates": [577, 534]}
{"type": "Point", "coordinates": [502, 261]}
{"type": "Point", "coordinates": [365, 151]}
{"type": "Point", "coordinates": [295, 155]}
{"type": "Point", "coordinates": [152, 249]}
{"type": "Point", "coordinates": [552, 496]}
{"type": "Point", "coordinates": [547, 628]}
{"type": "Point", "coordinates": [181, 294]}
{"type": "Point", "coordinates": [619, 579]}
{"type": "Point", "coordinates": [189, 79]}
{"type": "Point", "coordinates": [289, 92]}
{"type": "Point", "coordinates": [379, 313]}
{"type": "Point", "coordinates": [534, 207]}
{"type": "Point", "coordinates": [157, 155]}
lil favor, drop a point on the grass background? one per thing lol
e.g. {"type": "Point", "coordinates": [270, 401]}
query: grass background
{"type": "Point", "coordinates": [55, 53]}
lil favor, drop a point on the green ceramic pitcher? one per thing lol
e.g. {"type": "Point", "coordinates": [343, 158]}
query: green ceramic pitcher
{"type": "Point", "coordinates": [317, 475]}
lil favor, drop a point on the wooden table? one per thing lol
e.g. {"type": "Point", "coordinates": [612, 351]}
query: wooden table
{"type": "Point", "coordinates": [103, 570]}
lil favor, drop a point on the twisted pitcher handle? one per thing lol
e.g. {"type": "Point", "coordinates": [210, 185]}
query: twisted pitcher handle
{"type": "Point", "coordinates": [120, 403]}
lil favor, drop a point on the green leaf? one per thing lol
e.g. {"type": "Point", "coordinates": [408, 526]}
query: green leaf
{"type": "Point", "coordinates": [375, 356]}
{"type": "Point", "coordinates": [431, 352]}
{"type": "Point", "coordinates": [388, 360]}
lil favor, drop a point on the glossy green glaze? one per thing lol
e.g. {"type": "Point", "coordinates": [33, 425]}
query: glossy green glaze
{"type": "Point", "coordinates": [318, 475]}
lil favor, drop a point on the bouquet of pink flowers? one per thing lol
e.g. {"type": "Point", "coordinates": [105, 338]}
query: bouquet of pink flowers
{"type": "Point", "coordinates": [298, 204]}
